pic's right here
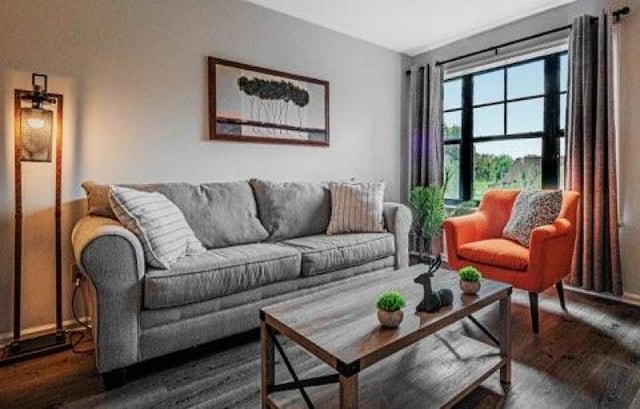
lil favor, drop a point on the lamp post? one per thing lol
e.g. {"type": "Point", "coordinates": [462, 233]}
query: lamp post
{"type": "Point", "coordinates": [35, 127]}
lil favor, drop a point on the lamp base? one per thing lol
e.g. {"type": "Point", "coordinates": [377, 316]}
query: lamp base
{"type": "Point", "coordinates": [27, 348]}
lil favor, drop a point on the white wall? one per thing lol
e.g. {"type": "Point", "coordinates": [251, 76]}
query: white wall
{"type": "Point", "coordinates": [629, 104]}
{"type": "Point", "coordinates": [134, 77]}
{"type": "Point", "coordinates": [629, 127]}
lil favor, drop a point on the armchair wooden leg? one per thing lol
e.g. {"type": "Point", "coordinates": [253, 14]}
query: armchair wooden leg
{"type": "Point", "coordinates": [533, 301]}
{"type": "Point", "coordinates": [560, 290]}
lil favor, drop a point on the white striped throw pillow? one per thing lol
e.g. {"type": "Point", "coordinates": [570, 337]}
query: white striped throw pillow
{"type": "Point", "coordinates": [157, 222]}
{"type": "Point", "coordinates": [356, 207]}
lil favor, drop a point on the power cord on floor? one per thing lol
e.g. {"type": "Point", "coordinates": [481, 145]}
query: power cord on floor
{"type": "Point", "coordinates": [79, 335]}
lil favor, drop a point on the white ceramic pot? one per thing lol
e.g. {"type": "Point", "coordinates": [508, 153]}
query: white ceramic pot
{"type": "Point", "coordinates": [390, 319]}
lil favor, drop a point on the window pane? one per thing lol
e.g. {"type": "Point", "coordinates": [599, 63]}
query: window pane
{"type": "Point", "coordinates": [452, 94]}
{"type": "Point", "coordinates": [488, 121]}
{"type": "Point", "coordinates": [525, 116]}
{"type": "Point", "coordinates": [488, 87]}
{"type": "Point", "coordinates": [564, 72]}
{"type": "Point", "coordinates": [452, 171]}
{"type": "Point", "coordinates": [452, 124]}
{"type": "Point", "coordinates": [563, 110]}
{"type": "Point", "coordinates": [563, 155]}
{"type": "Point", "coordinates": [506, 165]}
{"type": "Point", "coordinates": [525, 80]}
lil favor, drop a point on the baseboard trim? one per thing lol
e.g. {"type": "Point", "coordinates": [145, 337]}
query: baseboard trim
{"type": "Point", "coordinates": [632, 298]}
{"type": "Point", "coordinates": [626, 298]}
{"type": "Point", "coordinates": [69, 325]}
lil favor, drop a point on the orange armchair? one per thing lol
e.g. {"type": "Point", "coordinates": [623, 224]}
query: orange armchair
{"type": "Point", "coordinates": [476, 240]}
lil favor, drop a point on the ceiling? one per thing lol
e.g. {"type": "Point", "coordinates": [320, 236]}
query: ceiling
{"type": "Point", "coordinates": [410, 26]}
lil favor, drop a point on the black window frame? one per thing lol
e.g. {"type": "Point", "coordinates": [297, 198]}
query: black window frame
{"type": "Point", "coordinates": [551, 134]}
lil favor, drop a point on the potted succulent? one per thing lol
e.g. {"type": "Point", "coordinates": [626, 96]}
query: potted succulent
{"type": "Point", "coordinates": [469, 280]}
{"type": "Point", "coordinates": [390, 305]}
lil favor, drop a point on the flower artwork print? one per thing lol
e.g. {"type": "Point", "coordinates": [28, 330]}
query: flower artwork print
{"type": "Point", "coordinates": [252, 104]}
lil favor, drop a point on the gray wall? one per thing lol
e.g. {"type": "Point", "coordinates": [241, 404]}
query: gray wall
{"type": "Point", "coordinates": [134, 77]}
{"type": "Point", "coordinates": [629, 101]}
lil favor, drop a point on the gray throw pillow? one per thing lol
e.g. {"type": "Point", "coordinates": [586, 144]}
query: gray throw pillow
{"type": "Point", "coordinates": [356, 207]}
{"type": "Point", "coordinates": [157, 222]}
{"type": "Point", "coordinates": [531, 210]}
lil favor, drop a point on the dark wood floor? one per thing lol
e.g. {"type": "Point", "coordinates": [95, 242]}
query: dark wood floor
{"type": "Point", "coordinates": [588, 358]}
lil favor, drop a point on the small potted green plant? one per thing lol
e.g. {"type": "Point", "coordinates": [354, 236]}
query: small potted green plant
{"type": "Point", "coordinates": [469, 280]}
{"type": "Point", "coordinates": [390, 305]}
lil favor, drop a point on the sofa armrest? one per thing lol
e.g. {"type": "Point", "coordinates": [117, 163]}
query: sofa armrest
{"type": "Point", "coordinates": [398, 220]}
{"type": "Point", "coordinates": [113, 260]}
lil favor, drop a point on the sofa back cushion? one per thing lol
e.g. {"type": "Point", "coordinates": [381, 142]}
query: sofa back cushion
{"type": "Point", "coordinates": [220, 214]}
{"type": "Point", "coordinates": [292, 209]}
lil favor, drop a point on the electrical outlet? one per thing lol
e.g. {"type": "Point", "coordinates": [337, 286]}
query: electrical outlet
{"type": "Point", "coordinates": [77, 275]}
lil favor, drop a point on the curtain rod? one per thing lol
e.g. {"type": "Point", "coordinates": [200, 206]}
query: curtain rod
{"type": "Point", "coordinates": [616, 14]}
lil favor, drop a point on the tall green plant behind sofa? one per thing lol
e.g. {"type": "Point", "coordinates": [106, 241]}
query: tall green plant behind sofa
{"type": "Point", "coordinates": [265, 243]}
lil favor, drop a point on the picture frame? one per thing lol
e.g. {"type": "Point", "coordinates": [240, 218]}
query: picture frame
{"type": "Point", "coordinates": [261, 105]}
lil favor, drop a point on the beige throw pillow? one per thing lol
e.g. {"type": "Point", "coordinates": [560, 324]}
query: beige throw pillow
{"type": "Point", "coordinates": [98, 199]}
{"type": "Point", "coordinates": [356, 207]}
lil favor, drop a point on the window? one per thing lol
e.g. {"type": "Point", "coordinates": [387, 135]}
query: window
{"type": "Point", "coordinates": [504, 128]}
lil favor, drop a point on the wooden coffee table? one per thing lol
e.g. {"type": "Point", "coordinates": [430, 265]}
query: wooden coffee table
{"type": "Point", "coordinates": [375, 367]}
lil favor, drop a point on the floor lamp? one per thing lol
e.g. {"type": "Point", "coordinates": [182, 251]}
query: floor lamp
{"type": "Point", "coordinates": [35, 127]}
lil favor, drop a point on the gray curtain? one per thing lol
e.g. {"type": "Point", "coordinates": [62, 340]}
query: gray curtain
{"type": "Point", "coordinates": [425, 136]}
{"type": "Point", "coordinates": [592, 154]}
{"type": "Point", "coordinates": [425, 126]}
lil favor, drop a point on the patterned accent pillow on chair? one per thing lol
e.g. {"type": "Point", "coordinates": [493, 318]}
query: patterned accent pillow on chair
{"type": "Point", "coordinates": [157, 222]}
{"type": "Point", "coordinates": [356, 207]}
{"type": "Point", "coordinates": [531, 210]}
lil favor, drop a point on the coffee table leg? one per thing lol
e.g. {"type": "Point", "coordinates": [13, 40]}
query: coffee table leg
{"type": "Point", "coordinates": [505, 338]}
{"type": "Point", "coordinates": [349, 392]}
{"type": "Point", "coordinates": [267, 371]}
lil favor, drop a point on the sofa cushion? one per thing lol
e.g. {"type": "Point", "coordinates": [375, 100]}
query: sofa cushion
{"type": "Point", "coordinates": [323, 253]}
{"type": "Point", "coordinates": [271, 293]}
{"type": "Point", "coordinates": [289, 210]}
{"type": "Point", "coordinates": [496, 252]}
{"type": "Point", "coordinates": [220, 272]}
{"type": "Point", "coordinates": [220, 214]}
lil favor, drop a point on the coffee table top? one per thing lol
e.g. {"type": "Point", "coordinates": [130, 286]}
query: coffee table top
{"type": "Point", "coordinates": [339, 324]}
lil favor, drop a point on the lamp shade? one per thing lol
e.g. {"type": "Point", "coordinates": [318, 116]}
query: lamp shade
{"type": "Point", "coordinates": [36, 127]}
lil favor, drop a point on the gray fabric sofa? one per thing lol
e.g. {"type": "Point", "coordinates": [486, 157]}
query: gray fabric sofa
{"type": "Point", "coordinates": [265, 243]}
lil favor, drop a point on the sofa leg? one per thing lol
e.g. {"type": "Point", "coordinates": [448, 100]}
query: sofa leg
{"type": "Point", "coordinates": [560, 290]}
{"type": "Point", "coordinates": [115, 378]}
{"type": "Point", "coordinates": [533, 302]}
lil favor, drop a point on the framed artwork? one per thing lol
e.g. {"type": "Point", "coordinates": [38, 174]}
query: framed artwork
{"type": "Point", "coordinates": [253, 104]}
